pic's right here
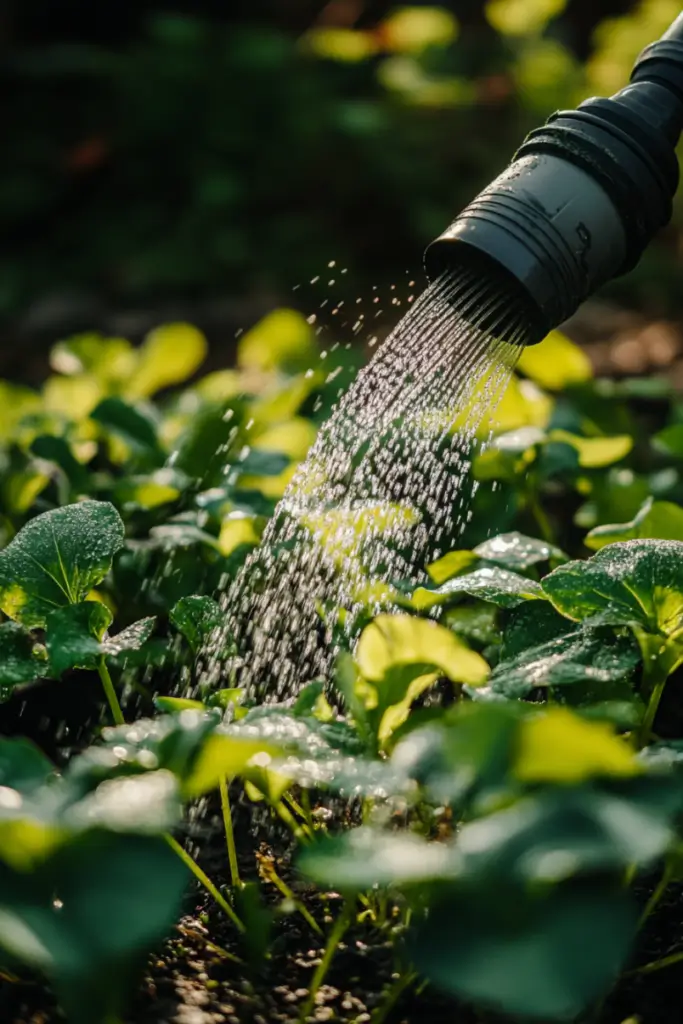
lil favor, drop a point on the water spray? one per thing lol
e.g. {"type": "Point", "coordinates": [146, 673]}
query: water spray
{"type": "Point", "coordinates": [582, 198]}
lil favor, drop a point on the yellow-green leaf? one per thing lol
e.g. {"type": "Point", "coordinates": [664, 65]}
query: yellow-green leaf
{"type": "Point", "coordinates": [555, 363]}
{"type": "Point", "coordinates": [560, 747]}
{"type": "Point", "coordinates": [595, 452]}
{"type": "Point", "coordinates": [392, 640]}
{"type": "Point", "coordinates": [522, 17]}
{"type": "Point", "coordinates": [222, 756]}
{"type": "Point", "coordinates": [413, 29]}
{"type": "Point", "coordinates": [283, 339]}
{"type": "Point", "coordinates": [451, 564]}
{"type": "Point", "coordinates": [659, 519]}
{"type": "Point", "coordinates": [170, 355]}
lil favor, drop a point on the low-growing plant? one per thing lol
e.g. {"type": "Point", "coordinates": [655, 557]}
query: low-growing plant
{"type": "Point", "coordinates": [490, 778]}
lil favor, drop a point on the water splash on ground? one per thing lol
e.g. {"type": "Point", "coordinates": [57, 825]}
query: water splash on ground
{"type": "Point", "coordinates": [384, 489]}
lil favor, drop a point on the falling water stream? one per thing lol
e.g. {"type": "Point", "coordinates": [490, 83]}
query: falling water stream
{"type": "Point", "coordinates": [384, 489]}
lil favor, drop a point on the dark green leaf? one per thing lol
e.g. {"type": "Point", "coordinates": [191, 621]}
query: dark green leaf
{"type": "Point", "coordinates": [57, 558]}
{"type": "Point", "coordinates": [638, 583]}
{"type": "Point", "coordinates": [590, 656]}
{"type": "Point", "coordinates": [129, 422]}
{"type": "Point", "coordinates": [542, 955]}
{"type": "Point", "coordinates": [57, 450]}
{"type": "Point", "coordinates": [199, 619]}
{"type": "Point", "coordinates": [74, 635]}
{"type": "Point", "coordinates": [18, 662]}
{"type": "Point", "coordinates": [23, 766]}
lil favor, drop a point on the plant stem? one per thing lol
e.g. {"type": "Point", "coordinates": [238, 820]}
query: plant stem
{"type": "Point", "coordinates": [204, 880]}
{"type": "Point", "coordinates": [394, 993]}
{"type": "Point", "coordinates": [336, 935]}
{"type": "Point", "coordinates": [229, 834]}
{"type": "Point", "coordinates": [657, 965]}
{"type": "Point", "coordinates": [539, 514]}
{"type": "Point", "coordinates": [110, 692]}
{"type": "Point", "coordinates": [282, 887]}
{"type": "Point", "coordinates": [643, 733]}
{"type": "Point", "coordinates": [656, 896]}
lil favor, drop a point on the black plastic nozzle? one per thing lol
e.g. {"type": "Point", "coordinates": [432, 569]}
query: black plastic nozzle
{"type": "Point", "coordinates": [583, 196]}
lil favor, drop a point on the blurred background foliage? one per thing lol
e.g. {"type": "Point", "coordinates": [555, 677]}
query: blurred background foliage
{"type": "Point", "coordinates": [183, 152]}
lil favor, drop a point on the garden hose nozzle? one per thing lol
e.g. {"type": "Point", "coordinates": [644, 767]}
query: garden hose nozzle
{"type": "Point", "coordinates": [582, 198]}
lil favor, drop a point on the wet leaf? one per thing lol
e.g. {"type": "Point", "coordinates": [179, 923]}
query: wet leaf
{"type": "Point", "coordinates": [57, 559]}
{"type": "Point", "coordinates": [662, 520]}
{"type": "Point", "coordinates": [517, 552]}
{"type": "Point", "coordinates": [198, 618]}
{"type": "Point", "coordinates": [74, 635]}
{"type": "Point", "coordinates": [595, 657]}
{"type": "Point", "coordinates": [132, 638]}
{"type": "Point", "coordinates": [637, 583]}
{"type": "Point", "coordinates": [499, 586]}
{"type": "Point", "coordinates": [18, 661]}
{"type": "Point", "coordinates": [455, 563]}
{"type": "Point", "coordinates": [366, 857]}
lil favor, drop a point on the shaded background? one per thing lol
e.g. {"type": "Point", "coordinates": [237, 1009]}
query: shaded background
{"type": "Point", "coordinates": [202, 158]}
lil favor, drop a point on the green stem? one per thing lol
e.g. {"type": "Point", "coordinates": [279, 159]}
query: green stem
{"type": "Point", "coordinates": [204, 880]}
{"type": "Point", "coordinates": [403, 982]}
{"type": "Point", "coordinates": [539, 514]}
{"type": "Point", "coordinates": [299, 832]}
{"type": "Point", "coordinates": [657, 965]}
{"type": "Point", "coordinates": [297, 809]}
{"type": "Point", "coordinates": [656, 896]}
{"type": "Point", "coordinates": [282, 887]}
{"type": "Point", "coordinates": [110, 692]}
{"type": "Point", "coordinates": [341, 925]}
{"type": "Point", "coordinates": [643, 733]}
{"type": "Point", "coordinates": [229, 833]}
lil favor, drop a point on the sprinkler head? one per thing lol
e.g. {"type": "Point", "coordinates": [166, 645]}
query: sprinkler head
{"type": "Point", "coordinates": [582, 198]}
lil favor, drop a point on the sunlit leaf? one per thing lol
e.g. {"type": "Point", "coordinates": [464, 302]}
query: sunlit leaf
{"type": "Point", "coordinates": [57, 558]}
{"type": "Point", "coordinates": [555, 363]}
{"type": "Point", "coordinates": [560, 747]}
{"type": "Point", "coordinates": [595, 452]}
{"type": "Point", "coordinates": [169, 355]}
{"type": "Point", "coordinates": [283, 339]}
{"type": "Point", "coordinates": [656, 519]}
{"type": "Point", "coordinates": [402, 640]}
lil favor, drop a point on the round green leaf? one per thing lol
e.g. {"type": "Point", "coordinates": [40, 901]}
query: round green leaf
{"type": "Point", "coordinates": [56, 560]}
{"type": "Point", "coordinates": [636, 583]}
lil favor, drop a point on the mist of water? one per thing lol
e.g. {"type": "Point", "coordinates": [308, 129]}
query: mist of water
{"type": "Point", "coordinates": [385, 487]}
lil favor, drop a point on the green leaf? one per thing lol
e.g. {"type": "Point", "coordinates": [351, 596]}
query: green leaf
{"type": "Point", "coordinates": [635, 583]}
{"type": "Point", "coordinates": [199, 619]}
{"type": "Point", "coordinates": [559, 747]}
{"type": "Point", "coordinates": [169, 355]}
{"type": "Point", "coordinates": [590, 656]}
{"type": "Point", "coordinates": [23, 766]}
{"type": "Point", "coordinates": [454, 563]}
{"type": "Point", "coordinates": [499, 586]}
{"type": "Point", "coordinates": [366, 857]}
{"type": "Point", "coordinates": [662, 520]}
{"type": "Point", "coordinates": [132, 638]}
{"type": "Point", "coordinates": [57, 450]}
{"type": "Point", "coordinates": [391, 641]}
{"type": "Point", "coordinates": [174, 705]}
{"type": "Point", "coordinates": [142, 804]}
{"type": "Point", "coordinates": [133, 425]}
{"type": "Point", "coordinates": [670, 440]}
{"type": "Point", "coordinates": [74, 635]}
{"type": "Point", "coordinates": [57, 559]}
{"type": "Point", "coordinates": [18, 661]}
{"type": "Point", "coordinates": [284, 339]}
{"type": "Point", "coordinates": [595, 452]}
{"type": "Point", "coordinates": [133, 883]}
{"type": "Point", "coordinates": [517, 552]}
{"type": "Point", "coordinates": [556, 363]}
{"type": "Point", "coordinates": [553, 953]}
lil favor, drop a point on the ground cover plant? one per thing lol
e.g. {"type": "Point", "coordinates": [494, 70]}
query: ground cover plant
{"type": "Point", "coordinates": [486, 794]}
